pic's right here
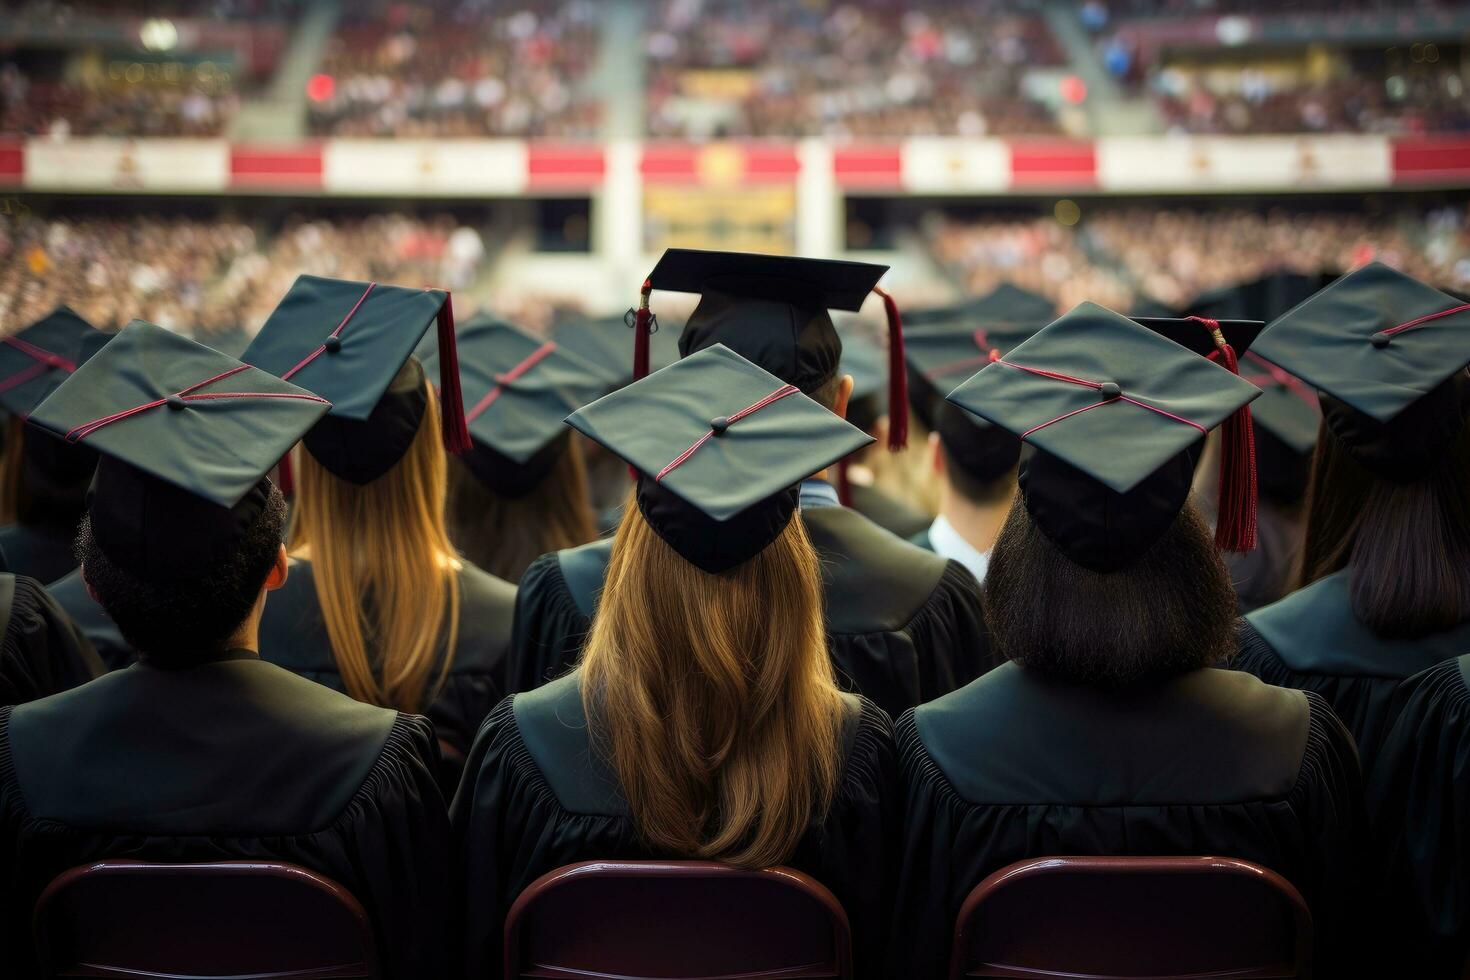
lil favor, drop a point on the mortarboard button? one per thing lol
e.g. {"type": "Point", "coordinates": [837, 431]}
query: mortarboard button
{"type": "Point", "coordinates": [175, 403]}
{"type": "Point", "coordinates": [1110, 391]}
{"type": "Point", "coordinates": [332, 345]}
{"type": "Point", "coordinates": [719, 424]}
{"type": "Point", "coordinates": [1381, 339]}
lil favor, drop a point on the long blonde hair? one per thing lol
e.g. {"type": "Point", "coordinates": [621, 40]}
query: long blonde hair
{"type": "Point", "coordinates": [712, 696]}
{"type": "Point", "coordinates": [384, 569]}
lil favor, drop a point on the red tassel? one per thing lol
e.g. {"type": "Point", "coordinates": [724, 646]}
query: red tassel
{"type": "Point", "coordinates": [898, 379]}
{"type": "Point", "coordinates": [285, 474]}
{"type": "Point", "coordinates": [1235, 524]}
{"type": "Point", "coordinates": [452, 422]}
{"type": "Point", "coordinates": [641, 323]}
{"type": "Point", "coordinates": [844, 485]}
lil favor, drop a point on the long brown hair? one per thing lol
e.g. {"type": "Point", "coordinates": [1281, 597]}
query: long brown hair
{"type": "Point", "coordinates": [384, 570]}
{"type": "Point", "coordinates": [1407, 544]}
{"type": "Point", "coordinates": [503, 534]}
{"type": "Point", "coordinates": [713, 697]}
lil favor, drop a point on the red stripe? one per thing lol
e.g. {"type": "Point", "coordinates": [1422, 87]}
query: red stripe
{"type": "Point", "coordinates": [1053, 163]}
{"type": "Point", "coordinates": [317, 353]}
{"type": "Point", "coordinates": [1431, 160]}
{"type": "Point", "coordinates": [275, 165]}
{"type": "Point", "coordinates": [1425, 319]}
{"type": "Point", "coordinates": [868, 166]}
{"type": "Point", "coordinates": [1053, 375]}
{"type": "Point", "coordinates": [12, 161]}
{"type": "Point", "coordinates": [748, 163]}
{"type": "Point", "coordinates": [679, 460]}
{"type": "Point", "coordinates": [564, 165]}
{"type": "Point", "coordinates": [501, 380]}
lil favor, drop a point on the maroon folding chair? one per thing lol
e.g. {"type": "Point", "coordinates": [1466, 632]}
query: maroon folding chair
{"type": "Point", "coordinates": [694, 920]}
{"type": "Point", "coordinates": [241, 920]}
{"type": "Point", "coordinates": [1128, 918]}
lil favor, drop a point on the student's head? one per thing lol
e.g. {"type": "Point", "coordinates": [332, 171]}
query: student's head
{"type": "Point", "coordinates": [714, 696]}
{"type": "Point", "coordinates": [379, 549]}
{"type": "Point", "coordinates": [706, 677]}
{"type": "Point", "coordinates": [1401, 531]}
{"type": "Point", "coordinates": [1170, 610]}
{"type": "Point", "coordinates": [504, 516]}
{"type": "Point", "coordinates": [176, 620]}
{"type": "Point", "coordinates": [43, 479]}
{"type": "Point", "coordinates": [976, 460]}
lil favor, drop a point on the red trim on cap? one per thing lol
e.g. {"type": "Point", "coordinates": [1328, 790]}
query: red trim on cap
{"type": "Point", "coordinates": [501, 380]}
{"type": "Point", "coordinates": [642, 327]}
{"type": "Point", "coordinates": [316, 353]}
{"type": "Point", "coordinates": [1235, 512]}
{"type": "Point", "coordinates": [80, 432]}
{"type": "Point", "coordinates": [898, 379]}
{"type": "Point", "coordinates": [454, 429]}
{"type": "Point", "coordinates": [982, 341]}
{"type": "Point", "coordinates": [1286, 379]}
{"type": "Point", "coordinates": [683, 457]}
{"type": "Point", "coordinates": [45, 361]}
{"type": "Point", "coordinates": [1087, 408]}
{"type": "Point", "coordinates": [1425, 319]}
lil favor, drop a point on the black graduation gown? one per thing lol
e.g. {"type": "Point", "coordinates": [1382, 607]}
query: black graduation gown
{"type": "Point", "coordinates": [1312, 641]}
{"type": "Point", "coordinates": [42, 651]}
{"type": "Point", "coordinates": [890, 514]}
{"type": "Point", "coordinates": [903, 625]}
{"type": "Point", "coordinates": [1263, 575]}
{"type": "Point", "coordinates": [70, 592]}
{"type": "Point", "coordinates": [1015, 766]}
{"type": "Point", "coordinates": [536, 797]}
{"type": "Point", "coordinates": [234, 759]}
{"type": "Point", "coordinates": [293, 635]}
{"type": "Point", "coordinates": [44, 552]}
{"type": "Point", "coordinates": [1419, 794]}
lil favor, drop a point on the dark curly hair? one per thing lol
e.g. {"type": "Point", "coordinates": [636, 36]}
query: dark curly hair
{"type": "Point", "coordinates": [177, 623]}
{"type": "Point", "coordinates": [1171, 611]}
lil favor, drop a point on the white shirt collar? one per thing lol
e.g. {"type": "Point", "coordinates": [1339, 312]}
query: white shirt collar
{"type": "Point", "coordinates": [947, 543]}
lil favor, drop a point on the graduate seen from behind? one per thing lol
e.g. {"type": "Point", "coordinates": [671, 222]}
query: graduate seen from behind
{"type": "Point", "coordinates": [903, 625]}
{"type": "Point", "coordinates": [379, 604]}
{"type": "Point", "coordinates": [703, 720]}
{"type": "Point", "coordinates": [520, 492]}
{"type": "Point", "coordinates": [202, 751]}
{"type": "Point", "coordinates": [1110, 731]}
{"type": "Point", "coordinates": [1383, 618]}
{"type": "Point", "coordinates": [43, 480]}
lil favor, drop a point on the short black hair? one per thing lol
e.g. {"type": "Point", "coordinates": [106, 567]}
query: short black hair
{"type": "Point", "coordinates": [1171, 611]}
{"type": "Point", "coordinates": [179, 622]}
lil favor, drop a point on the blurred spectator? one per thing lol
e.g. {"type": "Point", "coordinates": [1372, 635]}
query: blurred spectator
{"type": "Point", "coordinates": [461, 68]}
{"type": "Point", "coordinates": [863, 68]}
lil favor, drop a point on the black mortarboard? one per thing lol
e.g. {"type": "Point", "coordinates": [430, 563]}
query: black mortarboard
{"type": "Point", "coordinates": [984, 451]}
{"type": "Point", "coordinates": [349, 342]}
{"type": "Point", "coordinates": [1021, 304]}
{"type": "Point", "coordinates": [950, 349]}
{"type": "Point", "coordinates": [719, 445]}
{"type": "Point", "coordinates": [773, 310]}
{"type": "Point", "coordinates": [36, 360]}
{"type": "Point", "coordinates": [518, 391]}
{"type": "Point", "coordinates": [866, 363]}
{"type": "Point", "coordinates": [186, 435]}
{"type": "Point", "coordinates": [1388, 354]}
{"type": "Point", "coordinates": [1115, 411]}
{"type": "Point", "coordinates": [607, 344]}
{"type": "Point", "coordinates": [1286, 417]}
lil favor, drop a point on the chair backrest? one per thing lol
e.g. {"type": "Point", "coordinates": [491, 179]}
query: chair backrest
{"type": "Point", "coordinates": [686, 919]}
{"type": "Point", "coordinates": [229, 919]}
{"type": "Point", "coordinates": [1111, 918]}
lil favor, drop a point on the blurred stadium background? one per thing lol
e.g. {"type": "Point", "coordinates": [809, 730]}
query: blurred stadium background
{"type": "Point", "coordinates": [182, 161]}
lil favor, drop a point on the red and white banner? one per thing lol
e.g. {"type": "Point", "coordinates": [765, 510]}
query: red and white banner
{"type": "Point", "coordinates": [947, 167]}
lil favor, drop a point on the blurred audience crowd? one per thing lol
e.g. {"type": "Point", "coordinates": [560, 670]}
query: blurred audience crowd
{"type": "Point", "coordinates": [467, 68]}
{"type": "Point", "coordinates": [864, 68]}
{"type": "Point", "coordinates": [216, 280]}
{"type": "Point", "coordinates": [1123, 257]}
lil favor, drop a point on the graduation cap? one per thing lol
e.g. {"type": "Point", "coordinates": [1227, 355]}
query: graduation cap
{"type": "Point", "coordinates": [1115, 411]}
{"type": "Point", "coordinates": [605, 343]}
{"type": "Point", "coordinates": [774, 310]}
{"type": "Point", "coordinates": [1388, 354]}
{"type": "Point", "coordinates": [186, 436]}
{"type": "Point", "coordinates": [1286, 417]}
{"type": "Point", "coordinates": [978, 448]}
{"type": "Point", "coordinates": [36, 360]}
{"type": "Point", "coordinates": [518, 391]}
{"type": "Point", "coordinates": [1019, 303]}
{"type": "Point", "coordinates": [718, 445]}
{"type": "Point", "coordinates": [950, 349]}
{"type": "Point", "coordinates": [352, 343]}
